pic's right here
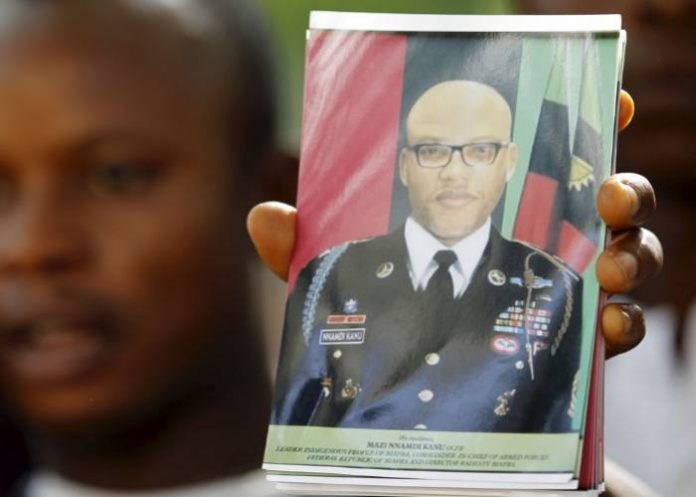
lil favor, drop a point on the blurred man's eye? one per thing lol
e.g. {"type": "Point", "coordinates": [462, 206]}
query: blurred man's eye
{"type": "Point", "coordinates": [114, 178]}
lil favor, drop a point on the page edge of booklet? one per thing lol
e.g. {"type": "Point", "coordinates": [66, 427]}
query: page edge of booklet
{"type": "Point", "coordinates": [367, 21]}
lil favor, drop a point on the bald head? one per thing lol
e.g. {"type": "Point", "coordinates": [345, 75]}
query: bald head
{"type": "Point", "coordinates": [216, 50]}
{"type": "Point", "coordinates": [457, 109]}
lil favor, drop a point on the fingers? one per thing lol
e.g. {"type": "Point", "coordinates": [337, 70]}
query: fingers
{"type": "Point", "coordinates": [630, 259]}
{"type": "Point", "coordinates": [627, 109]}
{"type": "Point", "coordinates": [625, 200]}
{"type": "Point", "coordinates": [271, 226]}
{"type": "Point", "coordinates": [623, 327]}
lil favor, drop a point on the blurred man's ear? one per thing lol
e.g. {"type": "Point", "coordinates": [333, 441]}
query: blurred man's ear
{"type": "Point", "coordinates": [277, 178]}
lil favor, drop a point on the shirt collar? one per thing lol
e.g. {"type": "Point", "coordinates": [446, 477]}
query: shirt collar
{"type": "Point", "coordinates": [421, 246]}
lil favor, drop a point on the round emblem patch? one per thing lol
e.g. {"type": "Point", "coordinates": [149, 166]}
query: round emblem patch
{"type": "Point", "coordinates": [496, 277]}
{"type": "Point", "coordinates": [506, 345]}
{"type": "Point", "coordinates": [385, 269]}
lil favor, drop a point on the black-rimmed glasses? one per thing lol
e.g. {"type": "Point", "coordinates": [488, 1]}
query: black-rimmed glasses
{"type": "Point", "coordinates": [437, 155]}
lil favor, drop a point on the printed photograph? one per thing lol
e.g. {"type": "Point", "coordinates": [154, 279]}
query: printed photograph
{"type": "Point", "coordinates": [443, 279]}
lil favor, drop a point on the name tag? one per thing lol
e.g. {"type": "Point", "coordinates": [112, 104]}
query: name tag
{"type": "Point", "coordinates": [346, 319]}
{"type": "Point", "coordinates": [349, 336]}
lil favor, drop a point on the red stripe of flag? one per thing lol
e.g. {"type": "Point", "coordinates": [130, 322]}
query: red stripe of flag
{"type": "Point", "coordinates": [350, 131]}
{"type": "Point", "coordinates": [575, 248]}
{"type": "Point", "coordinates": [536, 206]}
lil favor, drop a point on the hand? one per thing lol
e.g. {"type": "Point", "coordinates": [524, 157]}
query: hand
{"type": "Point", "coordinates": [624, 202]}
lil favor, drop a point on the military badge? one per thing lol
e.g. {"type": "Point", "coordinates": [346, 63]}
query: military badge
{"type": "Point", "coordinates": [505, 345]}
{"type": "Point", "coordinates": [346, 319]}
{"type": "Point", "coordinates": [385, 269]}
{"type": "Point", "coordinates": [350, 390]}
{"type": "Point", "coordinates": [350, 306]}
{"type": "Point", "coordinates": [496, 277]}
{"type": "Point", "coordinates": [503, 407]}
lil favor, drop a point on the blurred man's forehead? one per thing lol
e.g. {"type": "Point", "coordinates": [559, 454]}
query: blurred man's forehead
{"type": "Point", "coordinates": [147, 33]}
{"type": "Point", "coordinates": [82, 83]}
{"type": "Point", "coordinates": [217, 49]}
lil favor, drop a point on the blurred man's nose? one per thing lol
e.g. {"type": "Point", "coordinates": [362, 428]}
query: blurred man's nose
{"type": "Point", "coordinates": [40, 233]}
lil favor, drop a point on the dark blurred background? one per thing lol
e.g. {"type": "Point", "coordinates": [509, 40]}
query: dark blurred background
{"type": "Point", "coordinates": [660, 73]}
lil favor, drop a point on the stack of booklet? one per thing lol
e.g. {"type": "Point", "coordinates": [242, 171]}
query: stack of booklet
{"type": "Point", "coordinates": [440, 335]}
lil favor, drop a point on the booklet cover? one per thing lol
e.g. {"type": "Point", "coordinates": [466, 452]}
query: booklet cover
{"type": "Point", "coordinates": [442, 300]}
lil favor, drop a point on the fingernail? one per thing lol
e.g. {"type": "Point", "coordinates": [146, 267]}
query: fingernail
{"type": "Point", "coordinates": [627, 264]}
{"type": "Point", "coordinates": [631, 198]}
{"type": "Point", "coordinates": [615, 313]}
{"type": "Point", "coordinates": [626, 322]}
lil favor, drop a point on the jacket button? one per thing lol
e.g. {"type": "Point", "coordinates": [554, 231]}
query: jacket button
{"type": "Point", "coordinates": [432, 359]}
{"type": "Point", "coordinates": [426, 395]}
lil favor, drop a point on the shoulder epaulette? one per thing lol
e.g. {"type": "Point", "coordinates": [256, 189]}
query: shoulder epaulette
{"type": "Point", "coordinates": [319, 278]}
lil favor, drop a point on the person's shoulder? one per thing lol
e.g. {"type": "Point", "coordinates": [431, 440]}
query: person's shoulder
{"type": "Point", "coordinates": [360, 249]}
{"type": "Point", "coordinates": [538, 260]}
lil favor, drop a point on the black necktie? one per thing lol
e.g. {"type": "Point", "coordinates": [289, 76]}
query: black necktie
{"type": "Point", "coordinates": [439, 303]}
{"type": "Point", "coordinates": [440, 287]}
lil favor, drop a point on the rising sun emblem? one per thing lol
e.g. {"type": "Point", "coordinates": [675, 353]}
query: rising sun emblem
{"type": "Point", "coordinates": [581, 174]}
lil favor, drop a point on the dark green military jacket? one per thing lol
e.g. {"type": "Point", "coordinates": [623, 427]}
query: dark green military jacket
{"type": "Point", "coordinates": [362, 349]}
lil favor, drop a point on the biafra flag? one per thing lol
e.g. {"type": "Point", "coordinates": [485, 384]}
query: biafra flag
{"type": "Point", "coordinates": [580, 228]}
{"type": "Point", "coordinates": [541, 208]}
{"type": "Point", "coordinates": [557, 210]}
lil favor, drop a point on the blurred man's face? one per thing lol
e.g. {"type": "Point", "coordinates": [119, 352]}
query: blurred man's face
{"type": "Point", "coordinates": [117, 244]}
{"type": "Point", "coordinates": [453, 201]}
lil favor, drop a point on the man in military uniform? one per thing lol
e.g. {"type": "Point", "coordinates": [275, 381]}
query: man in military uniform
{"type": "Point", "coordinates": [442, 324]}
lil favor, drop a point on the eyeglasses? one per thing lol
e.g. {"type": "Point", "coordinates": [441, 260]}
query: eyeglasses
{"type": "Point", "coordinates": [437, 155]}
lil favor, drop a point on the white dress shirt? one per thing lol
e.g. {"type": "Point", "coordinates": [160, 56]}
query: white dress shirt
{"type": "Point", "coordinates": [422, 246]}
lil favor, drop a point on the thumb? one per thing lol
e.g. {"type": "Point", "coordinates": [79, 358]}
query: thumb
{"type": "Point", "coordinates": [271, 226]}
